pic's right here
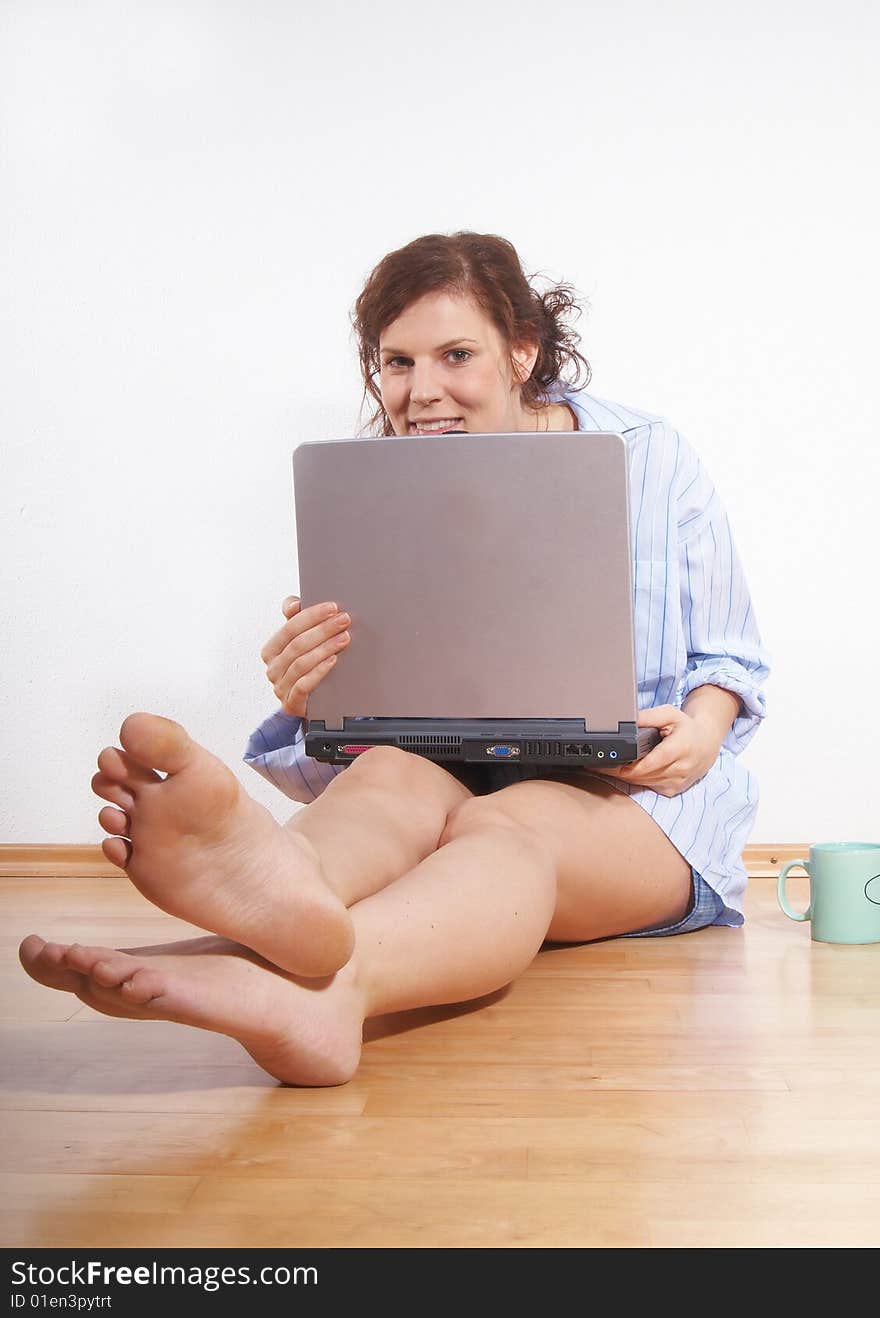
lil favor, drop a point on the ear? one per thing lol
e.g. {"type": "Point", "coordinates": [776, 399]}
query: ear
{"type": "Point", "coordinates": [524, 357]}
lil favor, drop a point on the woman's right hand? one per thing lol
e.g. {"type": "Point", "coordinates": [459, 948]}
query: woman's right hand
{"type": "Point", "coordinates": [303, 652]}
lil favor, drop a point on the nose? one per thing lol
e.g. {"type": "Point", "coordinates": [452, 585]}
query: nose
{"type": "Point", "coordinates": [424, 387]}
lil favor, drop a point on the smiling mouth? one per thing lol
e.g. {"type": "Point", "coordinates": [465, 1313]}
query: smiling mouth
{"type": "Point", "coordinates": [440, 427]}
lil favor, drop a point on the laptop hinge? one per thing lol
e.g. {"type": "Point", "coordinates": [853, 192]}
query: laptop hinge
{"type": "Point", "coordinates": [347, 724]}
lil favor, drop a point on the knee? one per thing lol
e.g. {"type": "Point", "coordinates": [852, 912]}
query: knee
{"type": "Point", "coordinates": [397, 773]}
{"type": "Point", "coordinates": [382, 766]}
{"type": "Point", "coordinates": [481, 812]}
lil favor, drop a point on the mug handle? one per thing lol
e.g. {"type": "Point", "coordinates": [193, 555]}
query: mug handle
{"type": "Point", "coordinates": [780, 890]}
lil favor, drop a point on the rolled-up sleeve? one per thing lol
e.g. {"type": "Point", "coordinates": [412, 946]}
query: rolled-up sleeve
{"type": "Point", "coordinates": [276, 750]}
{"type": "Point", "coordinates": [723, 643]}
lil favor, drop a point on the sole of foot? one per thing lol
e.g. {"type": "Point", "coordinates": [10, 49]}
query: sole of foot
{"type": "Point", "coordinates": [196, 845]}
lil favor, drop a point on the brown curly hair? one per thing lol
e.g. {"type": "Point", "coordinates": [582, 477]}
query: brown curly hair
{"type": "Point", "coordinates": [488, 269]}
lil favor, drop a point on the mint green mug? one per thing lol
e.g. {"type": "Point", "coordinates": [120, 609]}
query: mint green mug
{"type": "Point", "coordinates": [844, 892]}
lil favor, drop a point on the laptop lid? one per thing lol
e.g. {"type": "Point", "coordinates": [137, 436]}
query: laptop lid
{"type": "Point", "coordinates": [487, 576]}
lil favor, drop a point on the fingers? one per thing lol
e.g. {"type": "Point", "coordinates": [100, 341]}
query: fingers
{"type": "Point", "coordinates": [661, 716]}
{"type": "Point", "coordinates": [294, 696]}
{"type": "Point", "coordinates": [664, 783]}
{"type": "Point", "coordinates": [658, 760]}
{"type": "Point", "coordinates": [641, 772]}
{"type": "Point", "coordinates": [295, 675]}
{"type": "Point", "coordinates": [304, 650]}
{"type": "Point", "coordinates": [309, 647]}
{"type": "Point", "coordinates": [298, 623]}
{"type": "Point", "coordinates": [668, 769]}
{"type": "Point", "coordinates": [659, 767]}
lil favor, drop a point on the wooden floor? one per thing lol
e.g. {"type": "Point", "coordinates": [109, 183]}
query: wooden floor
{"type": "Point", "coordinates": [717, 1089]}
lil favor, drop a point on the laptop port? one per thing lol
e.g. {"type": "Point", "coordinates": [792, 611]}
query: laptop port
{"type": "Point", "coordinates": [502, 752]}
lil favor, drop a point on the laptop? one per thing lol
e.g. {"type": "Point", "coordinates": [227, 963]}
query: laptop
{"type": "Point", "coordinates": [489, 582]}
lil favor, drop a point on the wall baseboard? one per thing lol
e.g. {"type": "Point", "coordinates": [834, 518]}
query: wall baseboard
{"type": "Point", "coordinates": [763, 860]}
{"type": "Point", "coordinates": [51, 861]}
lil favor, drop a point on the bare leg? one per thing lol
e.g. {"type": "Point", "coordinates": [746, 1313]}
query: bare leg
{"type": "Point", "coordinates": [575, 860]}
{"type": "Point", "coordinates": [302, 1031]}
{"type": "Point", "coordinates": [568, 862]}
{"type": "Point", "coordinates": [616, 870]}
{"type": "Point", "coordinates": [199, 847]}
{"type": "Point", "coordinates": [378, 820]}
{"type": "Point", "coordinates": [465, 921]}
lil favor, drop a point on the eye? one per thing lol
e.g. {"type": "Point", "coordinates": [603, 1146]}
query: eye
{"type": "Point", "coordinates": [462, 354]}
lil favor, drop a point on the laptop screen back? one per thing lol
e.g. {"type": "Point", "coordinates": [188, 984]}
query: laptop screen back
{"type": "Point", "coordinates": [487, 576]}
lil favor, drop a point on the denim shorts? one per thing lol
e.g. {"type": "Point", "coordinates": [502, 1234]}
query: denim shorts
{"type": "Point", "coordinates": [704, 909]}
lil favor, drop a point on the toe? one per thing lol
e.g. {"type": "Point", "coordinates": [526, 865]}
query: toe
{"type": "Point", "coordinates": [105, 967]}
{"type": "Point", "coordinates": [114, 821]}
{"type": "Point", "coordinates": [112, 969]}
{"type": "Point", "coordinates": [30, 949]}
{"type": "Point", "coordinates": [79, 958]}
{"type": "Point", "coordinates": [45, 962]}
{"type": "Point", "coordinates": [122, 768]}
{"type": "Point", "coordinates": [117, 850]}
{"type": "Point", "coordinates": [110, 790]}
{"type": "Point", "coordinates": [144, 986]}
{"type": "Point", "coordinates": [155, 741]}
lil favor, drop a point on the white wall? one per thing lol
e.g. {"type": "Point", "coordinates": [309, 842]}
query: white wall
{"type": "Point", "coordinates": [194, 193]}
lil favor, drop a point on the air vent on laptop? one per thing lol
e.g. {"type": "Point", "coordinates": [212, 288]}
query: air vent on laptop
{"type": "Point", "coordinates": [430, 743]}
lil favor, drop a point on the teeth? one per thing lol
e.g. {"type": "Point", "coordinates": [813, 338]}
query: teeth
{"type": "Point", "coordinates": [428, 427]}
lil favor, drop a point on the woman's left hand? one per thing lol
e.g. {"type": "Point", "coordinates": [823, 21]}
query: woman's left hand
{"type": "Point", "coordinates": [687, 751]}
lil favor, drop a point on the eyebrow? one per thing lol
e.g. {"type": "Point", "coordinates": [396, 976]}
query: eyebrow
{"type": "Point", "coordinates": [398, 352]}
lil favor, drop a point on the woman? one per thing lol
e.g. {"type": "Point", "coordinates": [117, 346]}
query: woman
{"type": "Point", "coordinates": [402, 884]}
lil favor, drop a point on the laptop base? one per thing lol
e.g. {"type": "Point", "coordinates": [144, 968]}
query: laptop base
{"type": "Point", "coordinates": [557, 744]}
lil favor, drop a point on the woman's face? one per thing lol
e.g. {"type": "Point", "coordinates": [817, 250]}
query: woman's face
{"type": "Point", "coordinates": [443, 366]}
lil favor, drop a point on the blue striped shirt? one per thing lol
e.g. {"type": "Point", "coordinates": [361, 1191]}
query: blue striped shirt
{"type": "Point", "coordinates": [695, 626]}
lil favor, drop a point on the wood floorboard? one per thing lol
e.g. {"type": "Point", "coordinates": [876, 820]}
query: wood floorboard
{"type": "Point", "coordinates": [719, 1089]}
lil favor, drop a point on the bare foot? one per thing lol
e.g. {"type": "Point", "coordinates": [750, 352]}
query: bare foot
{"type": "Point", "coordinates": [302, 1031]}
{"type": "Point", "coordinates": [200, 848]}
